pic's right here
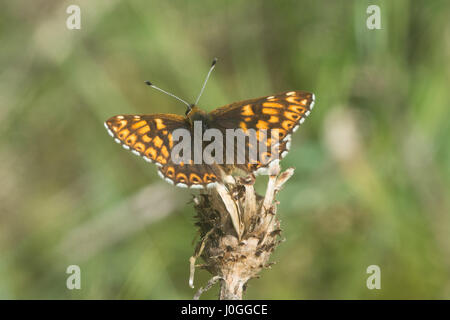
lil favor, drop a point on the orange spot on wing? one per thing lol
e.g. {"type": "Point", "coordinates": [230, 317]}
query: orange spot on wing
{"type": "Point", "coordinates": [157, 141]}
{"type": "Point", "coordinates": [118, 126]}
{"type": "Point", "coordinates": [288, 124]}
{"type": "Point", "coordinates": [139, 147]}
{"type": "Point", "coordinates": [297, 100]}
{"type": "Point", "coordinates": [281, 133]}
{"type": "Point", "coordinates": [207, 178]}
{"type": "Point", "coordinates": [169, 136]}
{"type": "Point", "coordinates": [164, 152]}
{"type": "Point", "coordinates": [159, 124]}
{"type": "Point", "coordinates": [161, 159]}
{"type": "Point", "coordinates": [143, 130]}
{"type": "Point", "coordinates": [297, 109]}
{"type": "Point", "coordinates": [151, 153]}
{"type": "Point", "coordinates": [181, 177]}
{"type": "Point", "coordinates": [194, 178]}
{"type": "Point", "coordinates": [146, 138]}
{"type": "Point", "coordinates": [131, 139]}
{"type": "Point", "coordinates": [273, 119]}
{"type": "Point", "coordinates": [269, 111]}
{"type": "Point", "coordinates": [292, 115]}
{"type": "Point", "coordinates": [170, 172]}
{"type": "Point", "coordinates": [262, 125]}
{"type": "Point", "coordinates": [247, 110]}
{"type": "Point", "coordinates": [272, 105]}
{"type": "Point", "coordinates": [123, 134]}
{"type": "Point", "coordinates": [138, 124]}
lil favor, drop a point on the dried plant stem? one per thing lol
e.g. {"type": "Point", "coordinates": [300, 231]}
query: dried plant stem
{"type": "Point", "coordinates": [208, 286]}
{"type": "Point", "coordinates": [194, 258]}
{"type": "Point", "coordinates": [239, 231]}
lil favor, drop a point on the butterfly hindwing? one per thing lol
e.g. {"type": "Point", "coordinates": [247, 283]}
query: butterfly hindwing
{"type": "Point", "coordinates": [195, 176]}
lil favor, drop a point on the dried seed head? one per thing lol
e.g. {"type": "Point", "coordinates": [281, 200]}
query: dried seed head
{"type": "Point", "coordinates": [239, 230]}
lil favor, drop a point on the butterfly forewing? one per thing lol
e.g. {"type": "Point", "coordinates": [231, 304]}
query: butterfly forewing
{"type": "Point", "coordinates": [283, 112]}
{"type": "Point", "coordinates": [149, 136]}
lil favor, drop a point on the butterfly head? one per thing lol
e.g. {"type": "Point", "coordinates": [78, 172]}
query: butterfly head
{"type": "Point", "coordinates": [194, 113]}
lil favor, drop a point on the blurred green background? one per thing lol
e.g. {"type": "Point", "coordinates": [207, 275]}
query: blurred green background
{"type": "Point", "coordinates": [372, 162]}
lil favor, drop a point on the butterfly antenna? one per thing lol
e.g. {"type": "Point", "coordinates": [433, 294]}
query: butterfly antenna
{"type": "Point", "coordinates": [206, 80]}
{"type": "Point", "coordinates": [168, 93]}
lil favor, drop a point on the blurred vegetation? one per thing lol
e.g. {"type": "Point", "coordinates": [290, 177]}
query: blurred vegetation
{"type": "Point", "coordinates": [372, 162]}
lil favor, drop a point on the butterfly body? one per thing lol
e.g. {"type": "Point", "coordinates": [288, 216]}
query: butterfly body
{"type": "Point", "coordinates": [151, 136]}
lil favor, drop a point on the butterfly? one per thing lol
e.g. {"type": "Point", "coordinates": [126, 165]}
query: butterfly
{"type": "Point", "coordinates": [151, 136]}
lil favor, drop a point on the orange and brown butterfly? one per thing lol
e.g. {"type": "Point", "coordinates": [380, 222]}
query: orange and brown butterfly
{"type": "Point", "coordinates": [150, 136]}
